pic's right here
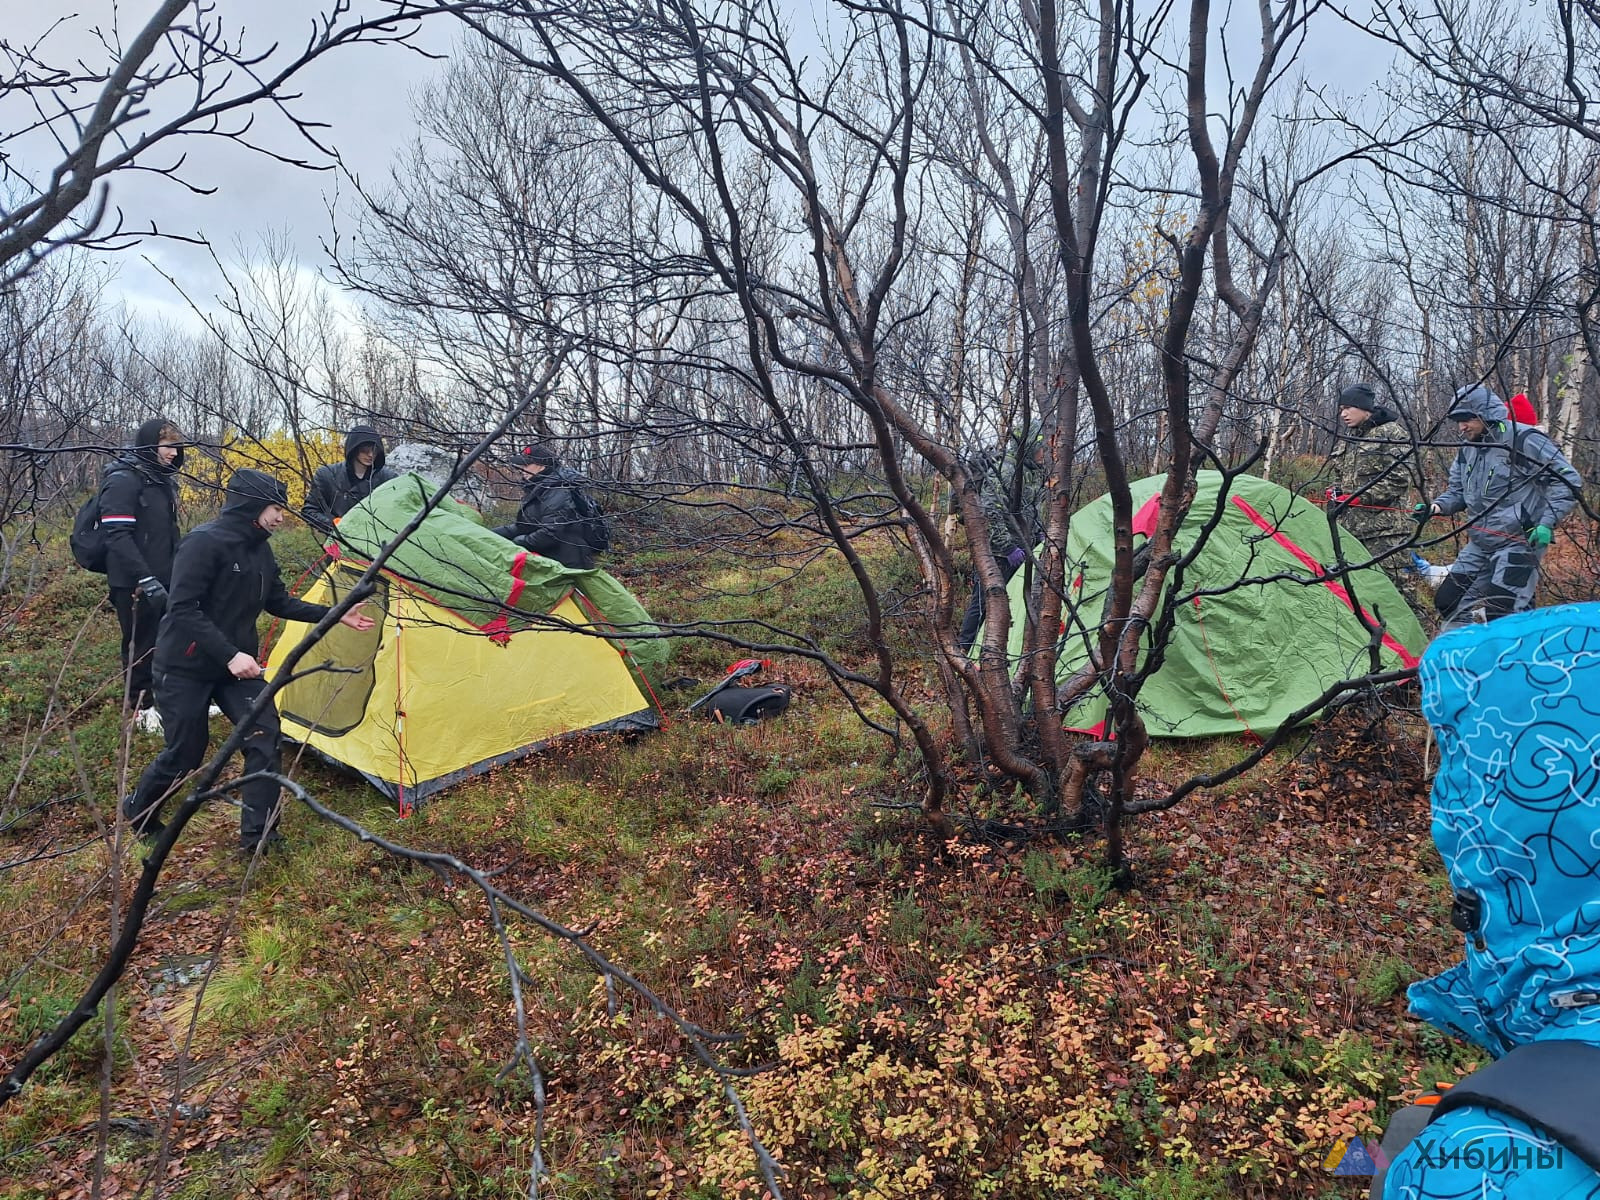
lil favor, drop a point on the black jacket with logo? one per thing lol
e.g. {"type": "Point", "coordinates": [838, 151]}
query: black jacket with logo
{"type": "Point", "coordinates": [336, 488]}
{"type": "Point", "coordinates": [225, 576]}
{"type": "Point", "coordinates": [139, 511]}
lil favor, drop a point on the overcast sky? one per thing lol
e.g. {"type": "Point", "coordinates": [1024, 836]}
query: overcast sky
{"type": "Point", "coordinates": [364, 94]}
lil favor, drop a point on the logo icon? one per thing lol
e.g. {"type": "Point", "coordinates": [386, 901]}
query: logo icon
{"type": "Point", "coordinates": [1353, 1157]}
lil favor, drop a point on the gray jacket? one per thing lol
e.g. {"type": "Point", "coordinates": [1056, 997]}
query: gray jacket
{"type": "Point", "coordinates": [1510, 480]}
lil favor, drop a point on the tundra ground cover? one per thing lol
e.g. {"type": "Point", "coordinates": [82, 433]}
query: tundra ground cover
{"type": "Point", "coordinates": [978, 1019]}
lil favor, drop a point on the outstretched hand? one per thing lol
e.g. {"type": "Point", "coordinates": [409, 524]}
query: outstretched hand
{"type": "Point", "coordinates": [357, 620]}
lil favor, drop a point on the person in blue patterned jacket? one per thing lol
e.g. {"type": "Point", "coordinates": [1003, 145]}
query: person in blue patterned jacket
{"type": "Point", "coordinates": [1516, 817]}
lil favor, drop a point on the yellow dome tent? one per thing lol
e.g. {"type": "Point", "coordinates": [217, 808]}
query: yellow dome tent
{"type": "Point", "coordinates": [480, 652]}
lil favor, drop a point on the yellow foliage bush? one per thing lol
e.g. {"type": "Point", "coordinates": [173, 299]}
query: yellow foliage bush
{"type": "Point", "coordinates": [1001, 1078]}
{"type": "Point", "coordinates": [206, 474]}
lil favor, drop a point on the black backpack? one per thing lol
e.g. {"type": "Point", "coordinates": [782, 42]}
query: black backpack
{"type": "Point", "coordinates": [593, 527]}
{"type": "Point", "coordinates": [747, 705]}
{"type": "Point", "coordinates": [87, 539]}
{"type": "Point", "coordinates": [1550, 1085]}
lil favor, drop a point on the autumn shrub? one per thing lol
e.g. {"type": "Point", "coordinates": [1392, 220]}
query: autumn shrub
{"type": "Point", "coordinates": [278, 453]}
{"type": "Point", "coordinates": [902, 1062]}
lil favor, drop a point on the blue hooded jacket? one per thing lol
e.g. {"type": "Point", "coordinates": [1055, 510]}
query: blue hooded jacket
{"type": "Point", "coordinates": [1515, 705]}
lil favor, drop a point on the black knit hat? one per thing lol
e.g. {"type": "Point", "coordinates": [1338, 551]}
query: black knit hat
{"type": "Point", "coordinates": [1359, 395]}
{"type": "Point", "coordinates": [538, 454]}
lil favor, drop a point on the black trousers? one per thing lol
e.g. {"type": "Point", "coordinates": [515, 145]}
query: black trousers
{"type": "Point", "coordinates": [139, 623]}
{"type": "Point", "coordinates": [183, 701]}
{"type": "Point", "coordinates": [973, 617]}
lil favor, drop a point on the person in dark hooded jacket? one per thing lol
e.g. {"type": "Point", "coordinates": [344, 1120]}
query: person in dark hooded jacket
{"type": "Point", "coordinates": [223, 578]}
{"type": "Point", "coordinates": [339, 487]}
{"type": "Point", "coordinates": [1514, 485]}
{"type": "Point", "coordinates": [549, 521]}
{"type": "Point", "coordinates": [139, 520]}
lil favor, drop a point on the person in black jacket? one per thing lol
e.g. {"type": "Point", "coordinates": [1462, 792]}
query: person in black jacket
{"type": "Point", "coordinates": [139, 519]}
{"type": "Point", "coordinates": [337, 488]}
{"type": "Point", "coordinates": [549, 521]}
{"type": "Point", "coordinates": [224, 576]}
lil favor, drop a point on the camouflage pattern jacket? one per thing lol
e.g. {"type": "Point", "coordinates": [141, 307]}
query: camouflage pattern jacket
{"type": "Point", "coordinates": [1372, 463]}
{"type": "Point", "coordinates": [994, 471]}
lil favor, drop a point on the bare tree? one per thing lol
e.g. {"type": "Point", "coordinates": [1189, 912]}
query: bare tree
{"type": "Point", "coordinates": [809, 232]}
{"type": "Point", "coordinates": [183, 75]}
{"type": "Point", "coordinates": [1501, 174]}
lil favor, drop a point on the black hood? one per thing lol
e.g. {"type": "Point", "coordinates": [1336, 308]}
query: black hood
{"type": "Point", "coordinates": [1378, 416]}
{"type": "Point", "coordinates": [145, 441]}
{"type": "Point", "coordinates": [359, 436]}
{"type": "Point", "coordinates": [250, 491]}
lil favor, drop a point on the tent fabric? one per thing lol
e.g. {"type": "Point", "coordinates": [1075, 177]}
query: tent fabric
{"type": "Point", "coordinates": [480, 653]}
{"type": "Point", "coordinates": [486, 580]}
{"type": "Point", "coordinates": [1242, 660]}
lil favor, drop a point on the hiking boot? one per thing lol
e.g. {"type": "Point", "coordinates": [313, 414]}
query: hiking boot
{"type": "Point", "coordinates": [272, 842]}
{"type": "Point", "coordinates": [146, 825]}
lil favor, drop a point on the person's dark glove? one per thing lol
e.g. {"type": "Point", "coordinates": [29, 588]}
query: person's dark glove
{"type": "Point", "coordinates": [1422, 512]}
{"type": "Point", "coordinates": [1014, 559]}
{"type": "Point", "coordinates": [153, 592]}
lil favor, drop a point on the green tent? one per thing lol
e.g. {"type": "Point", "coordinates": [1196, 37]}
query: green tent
{"type": "Point", "coordinates": [1242, 660]}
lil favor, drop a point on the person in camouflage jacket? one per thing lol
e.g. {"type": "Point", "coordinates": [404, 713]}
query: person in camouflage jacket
{"type": "Point", "coordinates": [1013, 527]}
{"type": "Point", "coordinates": [1372, 465]}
